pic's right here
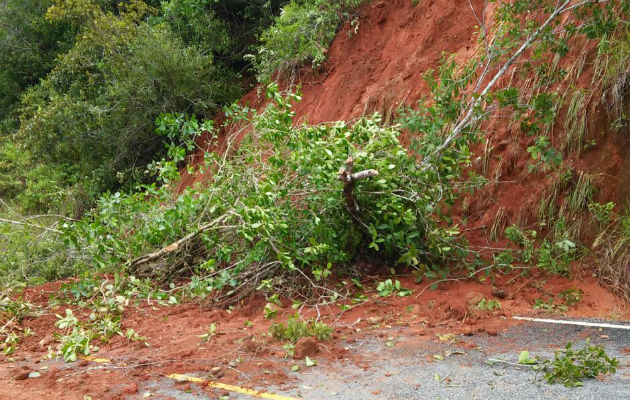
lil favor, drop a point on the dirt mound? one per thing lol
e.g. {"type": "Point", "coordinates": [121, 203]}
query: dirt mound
{"type": "Point", "coordinates": [381, 66]}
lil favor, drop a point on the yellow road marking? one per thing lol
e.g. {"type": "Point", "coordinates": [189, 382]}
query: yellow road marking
{"type": "Point", "coordinates": [218, 385]}
{"type": "Point", "coordinates": [95, 359]}
{"type": "Point", "coordinates": [230, 388]}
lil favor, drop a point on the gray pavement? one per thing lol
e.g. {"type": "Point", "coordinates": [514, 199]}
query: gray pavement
{"type": "Point", "coordinates": [409, 370]}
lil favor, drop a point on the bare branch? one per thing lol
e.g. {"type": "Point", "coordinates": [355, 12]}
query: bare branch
{"type": "Point", "coordinates": [173, 247]}
{"type": "Point", "coordinates": [469, 117]}
{"type": "Point", "coordinates": [349, 178]}
{"type": "Point", "coordinates": [8, 221]}
{"type": "Point", "coordinates": [368, 173]}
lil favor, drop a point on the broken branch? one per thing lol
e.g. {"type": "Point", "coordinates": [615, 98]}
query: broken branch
{"type": "Point", "coordinates": [8, 221]}
{"type": "Point", "coordinates": [173, 247]}
{"type": "Point", "coordinates": [349, 178]}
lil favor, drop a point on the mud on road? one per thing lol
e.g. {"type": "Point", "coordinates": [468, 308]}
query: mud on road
{"type": "Point", "coordinates": [381, 348]}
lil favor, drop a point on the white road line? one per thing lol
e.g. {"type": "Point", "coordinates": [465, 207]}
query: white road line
{"type": "Point", "coordinates": [578, 323]}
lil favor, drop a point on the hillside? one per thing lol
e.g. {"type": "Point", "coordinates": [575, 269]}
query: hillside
{"type": "Point", "coordinates": [380, 67]}
{"type": "Point", "coordinates": [409, 210]}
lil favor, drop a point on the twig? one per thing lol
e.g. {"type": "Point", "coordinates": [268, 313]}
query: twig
{"type": "Point", "coordinates": [242, 373]}
{"type": "Point", "coordinates": [176, 245]}
{"type": "Point", "coordinates": [8, 221]}
{"type": "Point", "coordinates": [496, 360]}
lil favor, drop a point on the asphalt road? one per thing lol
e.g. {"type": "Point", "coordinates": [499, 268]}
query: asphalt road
{"type": "Point", "coordinates": [405, 368]}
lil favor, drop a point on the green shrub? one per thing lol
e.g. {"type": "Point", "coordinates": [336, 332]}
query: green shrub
{"type": "Point", "coordinates": [96, 110]}
{"type": "Point", "coordinates": [28, 47]}
{"type": "Point", "coordinates": [29, 255]}
{"type": "Point", "coordinates": [388, 288]}
{"type": "Point", "coordinates": [196, 23]}
{"type": "Point", "coordinates": [488, 304]}
{"type": "Point", "coordinates": [226, 28]}
{"type": "Point", "coordinates": [612, 247]}
{"type": "Point", "coordinates": [301, 34]}
{"type": "Point", "coordinates": [556, 258]}
{"type": "Point", "coordinates": [277, 204]}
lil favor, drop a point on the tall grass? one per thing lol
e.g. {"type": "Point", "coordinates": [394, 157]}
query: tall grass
{"type": "Point", "coordinates": [612, 247]}
{"type": "Point", "coordinates": [612, 70]}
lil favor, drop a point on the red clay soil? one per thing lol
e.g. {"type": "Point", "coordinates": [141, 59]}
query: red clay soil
{"type": "Point", "coordinates": [245, 353]}
{"type": "Point", "coordinates": [376, 69]}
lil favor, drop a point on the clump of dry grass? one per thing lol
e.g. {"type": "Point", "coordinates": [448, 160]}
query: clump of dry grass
{"type": "Point", "coordinates": [612, 70]}
{"type": "Point", "coordinates": [612, 248]}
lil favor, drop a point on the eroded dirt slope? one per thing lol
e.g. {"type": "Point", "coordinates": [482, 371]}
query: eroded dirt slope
{"type": "Point", "coordinates": [380, 67]}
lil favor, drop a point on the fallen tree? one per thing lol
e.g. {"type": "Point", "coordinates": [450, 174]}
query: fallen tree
{"type": "Point", "coordinates": [280, 202]}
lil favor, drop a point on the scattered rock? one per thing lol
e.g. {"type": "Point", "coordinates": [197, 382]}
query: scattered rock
{"type": "Point", "coordinates": [374, 320]}
{"type": "Point", "coordinates": [217, 372]}
{"type": "Point", "coordinates": [469, 331]}
{"type": "Point", "coordinates": [498, 293]}
{"type": "Point", "coordinates": [45, 342]}
{"type": "Point", "coordinates": [131, 388]}
{"type": "Point", "coordinates": [304, 347]}
{"type": "Point", "coordinates": [491, 332]}
{"type": "Point", "coordinates": [473, 298]}
{"type": "Point", "coordinates": [419, 332]}
{"type": "Point", "coordinates": [22, 375]}
{"type": "Point", "coordinates": [251, 346]}
{"type": "Point", "coordinates": [52, 373]}
{"type": "Point", "coordinates": [34, 374]}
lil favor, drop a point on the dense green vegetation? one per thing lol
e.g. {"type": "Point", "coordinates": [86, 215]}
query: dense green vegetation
{"type": "Point", "coordinates": [83, 83]}
{"type": "Point", "coordinates": [301, 35]}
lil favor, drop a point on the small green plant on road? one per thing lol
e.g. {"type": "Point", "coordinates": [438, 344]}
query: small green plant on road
{"type": "Point", "coordinates": [296, 329]}
{"type": "Point", "coordinates": [489, 304]}
{"type": "Point", "coordinates": [570, 366]}
{"type": "Point", "coordinates": [389, 288]}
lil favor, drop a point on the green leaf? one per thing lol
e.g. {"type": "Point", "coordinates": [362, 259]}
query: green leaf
{"type": "Point", "coordinates": [523, 358]}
